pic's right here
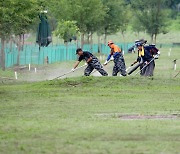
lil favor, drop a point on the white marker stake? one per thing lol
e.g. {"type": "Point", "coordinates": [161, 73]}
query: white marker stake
{"type": "Point", "coordinates": [174, 66]}
{"type": "Point", "coordinates": [169, 53]}
{"type": "Point", "coordinates": [35, 70]}
{"type": "Point", "coordinates": [15, 73]}
{"type": "Point", "coordinates": [29, 67]}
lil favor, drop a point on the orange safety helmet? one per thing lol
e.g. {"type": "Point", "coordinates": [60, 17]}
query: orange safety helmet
{"type": "Point", "coordinates": [110, 42]}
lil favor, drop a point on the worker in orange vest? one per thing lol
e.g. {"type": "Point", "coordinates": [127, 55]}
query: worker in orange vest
{"type": "Point", "coordinates": [119, 62]}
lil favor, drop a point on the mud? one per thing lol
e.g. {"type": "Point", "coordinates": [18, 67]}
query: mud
{"type": "Point", "coordinates": [138, 116]}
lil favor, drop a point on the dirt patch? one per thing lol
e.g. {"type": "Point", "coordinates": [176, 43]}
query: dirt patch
{"type": "Point", "coordinates": [138, 117]}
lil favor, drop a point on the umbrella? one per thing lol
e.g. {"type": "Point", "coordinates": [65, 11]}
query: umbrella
{"type": "Point", "coordinates": [44, 33]}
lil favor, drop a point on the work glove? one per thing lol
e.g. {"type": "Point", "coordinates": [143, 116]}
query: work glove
{"type": "Point", "coordinates": [112, 58]}
{"type": "Point", "coordinates": [157, 55]}
{"type": "Point", "coordinates": [146, 63]}
{"type": "Point", "coordinates": [73, 70]}
{"type": "Point", "coordinates": [105, 63]}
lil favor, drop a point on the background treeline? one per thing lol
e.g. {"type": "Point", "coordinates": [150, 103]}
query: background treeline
{"type": "Point", "coordinates": [82, 18]}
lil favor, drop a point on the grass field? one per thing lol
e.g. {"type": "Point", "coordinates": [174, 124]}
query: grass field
{"type": "Point", "coordinates": [83, 114]}
{"type": "Point", "coordinates": [168, 38]}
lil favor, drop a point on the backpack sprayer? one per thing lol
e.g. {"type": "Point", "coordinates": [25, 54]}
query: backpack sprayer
{"type": "Point", "coordinates": [156, 56]}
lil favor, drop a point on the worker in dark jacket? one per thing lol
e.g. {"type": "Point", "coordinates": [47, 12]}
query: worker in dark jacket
{"type": "Point", "coordinates": [91, 60]}
{"type": "Point", "coordinates": [146, 56]}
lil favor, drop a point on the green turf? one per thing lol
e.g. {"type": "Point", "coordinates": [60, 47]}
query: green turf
{"type": "Point", "coordinates": [171, 37]}
{"type": "Point", "coordinates": [79, 115]}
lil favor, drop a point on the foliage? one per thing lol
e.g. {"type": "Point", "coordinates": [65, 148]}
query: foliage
{"type": "Point", "coordinates": [66, 30]}
{"type": "Point", "coordinates": [151, 15]}
{"type": "Point", "coordinates": [16, 17]}
{"type": "Point", "coordinates": [114, 15]}
{"type": "Point", "coordinates": [6, 21]}
{"type": "Point", "coordinates": [87, 13]}
{"type": "Point", "coordinates": [136, 25]}
{"type": "Point", "coordinates": [24, 15]}
{"type": "Point", "coordinates": [175, 24]}
{"type": "Point", "coordinates": [126, 16]}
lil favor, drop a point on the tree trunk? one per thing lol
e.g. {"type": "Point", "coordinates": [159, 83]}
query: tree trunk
{"type": "Point", "coordinates": [22, 48]}
{"type": "Point", "coordinates": [82, 40]}
{"type": "Point", "coordinates": [11, 44]}
{"type": "Point", "coordinates": [157, 16]}
{"type": "Point", "coordinates": [88, 38]}
{"type": "Point", "coordinates": [19, 50]}
{"type": "Point", "coordinates": [152, 35]}
{"type": "Point", "coordinates": [105, 37]}
{"type": "Point", "coordinates": [77, 43]}
{"type": "Point", "coordinates": [138, 34]}
{"type": "Point", "coordinates": [155, 37]}
{"type": "Point", "coordinates": [91, 42]}
{"type": "Point", "coordinates": [2, 54]}
{"type": "Point", "coordinates": [99, 45]}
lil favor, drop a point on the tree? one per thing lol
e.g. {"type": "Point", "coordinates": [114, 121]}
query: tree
{"type": "Point", "coordinates": [15, 18]}
{"type": "Point", "coordinates": [66, 30]}
{"type": "Point", "coordinates": [137, 26]}
{"type": "Point", "coordinates": [125, 19]}
{"type": "Point", "coordinates": [5, 27]}
{"type": "Point", "coordinates": [116, 17]}
{"type": "Point", "coordinates": [87, 13]}
{"type": "Point", "coordinates": [152, 16]}
{"type": "Point", "coordinates": [24, 16]}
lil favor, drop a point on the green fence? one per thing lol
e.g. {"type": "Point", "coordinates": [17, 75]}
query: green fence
{"type": "Point", "coordinates": [55, 53]}
{"type": "Point", "coordinates": [32, 55]}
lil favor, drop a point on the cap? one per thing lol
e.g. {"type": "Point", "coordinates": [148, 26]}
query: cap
{"type": "Point", "coordinates": [110, 42]}
{"type": "Point", "coordinates": [78, 49]}
{"type": "Point", "coordinates": [138, 43]}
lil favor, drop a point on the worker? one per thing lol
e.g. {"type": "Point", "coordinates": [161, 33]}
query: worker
{"type": "Point", "coordinates": [92, 62]}
{"type": "Point", "coordinates": [147, 54]}
{"type": "Point", "coordinates": [119, 62]}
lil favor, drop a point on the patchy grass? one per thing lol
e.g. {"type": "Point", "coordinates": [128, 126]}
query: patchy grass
{"type": "Point", "coordinates": [60, 116]}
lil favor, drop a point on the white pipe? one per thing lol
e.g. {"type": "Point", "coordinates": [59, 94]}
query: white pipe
{"type": "Point", "coordinates": [15, 73]}
{"type": "Point", "coordinates": [175, 66]}
{"type": "Point", "coordinates": [169, 53]}
{"type": "Point", "coordinates": [29, 67]}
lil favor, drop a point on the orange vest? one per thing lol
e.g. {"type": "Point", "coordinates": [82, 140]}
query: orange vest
{"type": "Point", "coordinates": [115, 48]}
